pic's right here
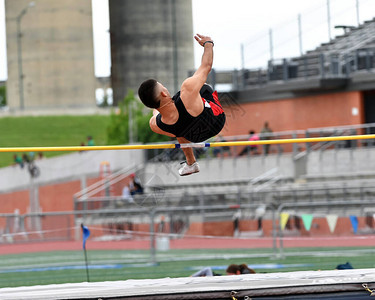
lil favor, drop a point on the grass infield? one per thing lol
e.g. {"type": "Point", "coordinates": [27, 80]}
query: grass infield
{"type": "Point", "coordinates": [50, 131]}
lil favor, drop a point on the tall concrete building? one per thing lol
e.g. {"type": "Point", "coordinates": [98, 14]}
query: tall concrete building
{"type": "Point", "coordinates": [50, 54]}
{"type": "Point", "coordinates": [150, 39]}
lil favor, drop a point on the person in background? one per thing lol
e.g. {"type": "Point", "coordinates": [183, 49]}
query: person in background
{"type": "Point", "coordinates": [220, 150]}
{"type": "Point", "coordinates": [135, 185]}
{"type": "Point", "coordinates": [205, 272]}
{"type": "Point", "coordinates": [252, 149]}
{"type": "Point", "coordinates": [90, 141]}
{"type": "Point", "coordinates": [18, 160]}
{"type": "Point", "coordinates": [265, 134]}
{"type": "Point", "coordinates": [242, 269]}
{"type": "Point", "coordinates": [232, 269]}
{"type": "Point", "coordinates": [126, 195]}
{"type": "Point", "coordinates": [40, 156]}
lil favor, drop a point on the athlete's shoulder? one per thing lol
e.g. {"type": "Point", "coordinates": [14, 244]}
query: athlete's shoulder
{"type": "Point", "coordinates": [152, 123]}
{"type": "Point", "coordinates": [155, 128]}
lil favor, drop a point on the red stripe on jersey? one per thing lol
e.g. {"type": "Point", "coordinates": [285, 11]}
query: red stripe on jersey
{"type": "Point", "coordinates": [215, 106]}
{"type": "Point", "coordinates": [216, 98]}
{"type": "Point", "coordinates": [216, 109]}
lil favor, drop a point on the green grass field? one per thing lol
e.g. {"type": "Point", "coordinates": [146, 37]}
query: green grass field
{"type": "Point", "coordinates": [69, 266]}
{"type": "Point", "coordinates": [50, 131]}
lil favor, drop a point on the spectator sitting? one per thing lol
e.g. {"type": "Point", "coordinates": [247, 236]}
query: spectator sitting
{"type": "Point", "coordinates": [18, 160]}
{"type": "Point", "coordinates": [40, 156]}
{"type": "Point", "coordinates": [251, 148]}
{"type": "Point", "coordinates": [126, 195]}
{"type": "Point", "coordinates": [220, 150]}
{"type": "Point", "coordinates": [32, 156]}
{"type": "Point", "coordinates": [90, 141]}
{"type": "Point", "coordinates": [135, 185]}
{"type": "Point", "coordinates": [29, 160]}
{"type": "Point", "coordinates": [26, 159]}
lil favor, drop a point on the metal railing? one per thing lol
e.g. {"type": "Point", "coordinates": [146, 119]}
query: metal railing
{"type": "Point", "coordinates": [57, 226]}
{"type": "Point", "coordinates": [261, 191]}
{"type": "Point", "coordinates": [66, 225]}
{"type": "Point", "coordinates": [298, 151]}
{"type": "Point", "coordinates": [296, 148]}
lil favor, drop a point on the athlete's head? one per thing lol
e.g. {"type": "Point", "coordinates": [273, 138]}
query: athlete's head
{"type": "Point", "coordinates": [147, 93]}
{"type": "Point", "coordinates": [151, 93]}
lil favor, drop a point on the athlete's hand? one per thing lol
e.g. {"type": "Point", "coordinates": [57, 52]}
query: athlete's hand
{"type": "Point", "coordinates": [201, 39]}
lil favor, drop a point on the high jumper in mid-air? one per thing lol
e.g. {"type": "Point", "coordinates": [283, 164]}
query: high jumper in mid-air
{"type": "Point", "coordinates": [192, 115]}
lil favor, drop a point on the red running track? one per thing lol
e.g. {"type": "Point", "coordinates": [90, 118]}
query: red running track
{"type": "Point", "coordinates": [191, 243]}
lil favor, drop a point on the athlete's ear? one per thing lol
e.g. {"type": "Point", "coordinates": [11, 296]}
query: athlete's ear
{"type": "Point", "coordinates": [164, 94]}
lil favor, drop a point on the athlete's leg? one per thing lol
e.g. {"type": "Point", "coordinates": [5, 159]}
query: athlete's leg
{"type": "Point", "coordinates": [190, 166]}
{"type": "Point", "coordinates": [189, 154]}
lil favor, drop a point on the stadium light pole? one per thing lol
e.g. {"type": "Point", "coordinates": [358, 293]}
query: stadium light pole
{"type": "Point", "coordinates": [19, 52]}
{"type": "Point", "coordinates": [174, 41]}
{"type": "Point", "coordinates": [300, 34]}
{"type": "Point", "coordinates": [357, 11]}
{"type": "Point", "coordinates": [271, 43]}
{"type": "Point", "coordinates": [329, 20]}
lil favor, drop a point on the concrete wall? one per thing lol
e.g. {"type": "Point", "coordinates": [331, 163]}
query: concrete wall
{"type": "Point", "coordinates": [327, 163]}
{"type": "Point", "coordinates": [230, 169]}
{"type": "Point", "coordinates": [68, 167]}
{"type": "Point", "coordinates": [342, 162]}
{"type": "Point", "coordinates": [61, 177]}
{"type": "Point", "coordinates": [150, 39]}
{"type": "Point", "coordinates": [57, 54]}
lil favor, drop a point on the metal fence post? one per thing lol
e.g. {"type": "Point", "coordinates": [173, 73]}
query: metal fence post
{"type": "Point", "coordinates": [295, 146]}
{"type": "Point", "coordinates": [274, 232]}
{"type": "Point", "coordinates": [201, 204]}
{"type": "Point", "coordinates": [152, 236]}
{"type": "Point", "coordinates": [239, 196]}
{"type": "Point", "coordinates": [308, 146]}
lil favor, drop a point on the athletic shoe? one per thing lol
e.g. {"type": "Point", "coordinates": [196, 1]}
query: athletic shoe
{"type": "Point", "coordinates": [188, 169]}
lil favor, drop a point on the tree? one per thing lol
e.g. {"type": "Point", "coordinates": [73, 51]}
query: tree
{"type": "Point", "coordinates": [3, 96]}
{"type": "Point", "coordinates": [118, 129]}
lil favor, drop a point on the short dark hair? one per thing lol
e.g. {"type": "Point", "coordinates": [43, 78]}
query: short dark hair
{"type": "Point", "coordinates": [233, 269]}
{"type": "Point", "coordinates": [146, 93]}
{"type": "Point", "coordinates": [246, 270]}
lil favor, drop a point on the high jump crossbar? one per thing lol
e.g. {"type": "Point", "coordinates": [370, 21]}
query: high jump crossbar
{"type": "Point", "coordinates": [188, 145]}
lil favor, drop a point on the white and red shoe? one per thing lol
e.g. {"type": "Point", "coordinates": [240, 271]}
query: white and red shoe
{"type": "Point", "coordinates": [188, 169]}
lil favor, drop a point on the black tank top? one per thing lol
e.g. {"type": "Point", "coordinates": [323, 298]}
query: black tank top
{"type": "Point", "coordinates": [195, 129]}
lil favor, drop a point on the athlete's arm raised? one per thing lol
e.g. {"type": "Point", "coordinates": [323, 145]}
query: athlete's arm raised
{"type": "Point", "coordinates": [192, 85]}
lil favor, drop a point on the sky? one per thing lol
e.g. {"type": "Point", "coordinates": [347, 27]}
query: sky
{"type": "Point", "coordinates": [236, 24]}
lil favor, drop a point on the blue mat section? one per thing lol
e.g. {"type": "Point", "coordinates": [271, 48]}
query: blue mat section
{"type": "Point", "coordinates": [58, 268]}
